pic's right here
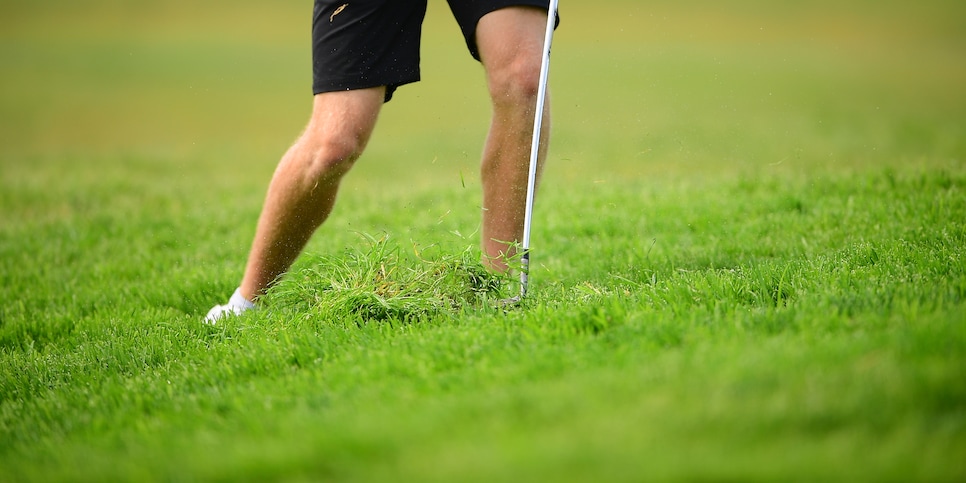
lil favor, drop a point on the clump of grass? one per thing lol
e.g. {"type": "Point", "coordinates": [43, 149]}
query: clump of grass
{"type": "Point", "coordinates": [379, 283]}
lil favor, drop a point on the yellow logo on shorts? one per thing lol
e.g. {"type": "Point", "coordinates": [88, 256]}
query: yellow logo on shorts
{"type": "Point", "coordinates": [337, 11]}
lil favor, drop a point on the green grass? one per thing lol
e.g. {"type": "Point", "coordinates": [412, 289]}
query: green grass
{"type": "Point", "coordinates": [748, 253]}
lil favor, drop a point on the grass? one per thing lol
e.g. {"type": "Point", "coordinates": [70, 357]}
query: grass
{"type": "Point", "coordinates": [375, 286]}
{"type": "Point", "coordinates": [748, 254]}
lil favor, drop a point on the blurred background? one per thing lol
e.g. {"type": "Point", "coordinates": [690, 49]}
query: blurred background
{"type": "Point", "coordinates": [657, 88]}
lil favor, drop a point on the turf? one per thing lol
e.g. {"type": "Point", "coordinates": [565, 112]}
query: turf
{"type": "Point", "coordinates": [747, 253]}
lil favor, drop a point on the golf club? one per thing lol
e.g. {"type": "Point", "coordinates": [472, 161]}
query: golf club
{"type": "Point", "coordinates": [535, 147]}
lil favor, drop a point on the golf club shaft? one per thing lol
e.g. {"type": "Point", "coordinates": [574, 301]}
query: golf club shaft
{"type": "Point", "coordinates": [535, 145]}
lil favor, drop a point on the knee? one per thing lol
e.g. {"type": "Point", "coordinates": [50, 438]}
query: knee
{"type": "Point", "coordinates": [328, 158]}
{"type": "Point", "coordinates": [516, 81]}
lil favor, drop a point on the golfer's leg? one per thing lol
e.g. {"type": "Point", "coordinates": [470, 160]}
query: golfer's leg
{"type": "Point", "coordinates": [511, 44]}
{"type": "Point", "coordinates": [303, 188]}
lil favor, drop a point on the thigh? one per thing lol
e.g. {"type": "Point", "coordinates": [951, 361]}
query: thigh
{"type": "Point", "coordinates": [344, 120]}
{"type": "Point", "coordinates": [365, 43]}
{"type": "Point", "coordinates": [468, 14]}
{"type": "Point", "coordinates": [511, 39]}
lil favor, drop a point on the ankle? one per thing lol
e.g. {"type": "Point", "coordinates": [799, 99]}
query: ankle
{"type": "Point", "coordinates": [238, 300]}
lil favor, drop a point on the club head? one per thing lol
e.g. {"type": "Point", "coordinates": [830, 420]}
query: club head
{"type": "Point", "coordinates": [508, 303]}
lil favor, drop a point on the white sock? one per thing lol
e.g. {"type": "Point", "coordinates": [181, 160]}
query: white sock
{"type": "Point", "coordinates": [235, 306]}
{"type": "Point", "coordinates": [237, 301]}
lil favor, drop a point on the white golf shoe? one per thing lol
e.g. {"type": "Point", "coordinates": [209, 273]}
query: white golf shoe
{"type": "Point", "coordinates": [236, 305]}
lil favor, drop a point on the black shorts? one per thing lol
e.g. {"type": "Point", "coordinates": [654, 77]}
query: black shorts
{"type": "Point", "coordinates": [370, 43]}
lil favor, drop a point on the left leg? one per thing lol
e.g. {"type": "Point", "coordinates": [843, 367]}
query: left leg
{"type": "Point", "coordinates": [510, 43]}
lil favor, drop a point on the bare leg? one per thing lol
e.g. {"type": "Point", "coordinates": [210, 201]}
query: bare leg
{"type": "Point", "coordinates": [511, 44]}
{"type": "Point", "coordinates": [304, 186]}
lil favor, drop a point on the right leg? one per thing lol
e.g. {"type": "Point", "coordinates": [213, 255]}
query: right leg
{"type": "Point", "coordinates": [354, 47]}
{"type": "Point", "coordinates": [303, 188]}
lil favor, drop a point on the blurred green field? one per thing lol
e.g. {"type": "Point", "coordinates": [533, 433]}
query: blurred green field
{"type": "Point", "coordinates": [748, 251]}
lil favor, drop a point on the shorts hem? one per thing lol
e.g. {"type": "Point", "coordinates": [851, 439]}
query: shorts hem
{"type": "Point", "coordinates": [469, 23]}
{"type": "Point", "coordinates": [341, 85]}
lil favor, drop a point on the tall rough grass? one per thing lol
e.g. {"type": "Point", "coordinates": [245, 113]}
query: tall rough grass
{"type": "Point", "coordinates": [379, 283]}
